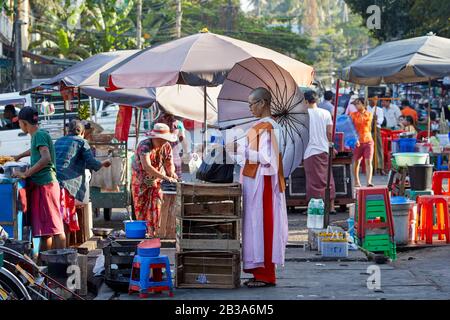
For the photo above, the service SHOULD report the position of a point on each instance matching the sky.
(245, 5)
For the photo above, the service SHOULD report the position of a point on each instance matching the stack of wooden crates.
(208, 235)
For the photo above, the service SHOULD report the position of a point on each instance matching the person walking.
(265, 224)
(316, 156)
(362, 120)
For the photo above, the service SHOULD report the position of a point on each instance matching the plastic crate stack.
(374, 221)
(208, 235)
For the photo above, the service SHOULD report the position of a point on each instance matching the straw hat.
(162, 131)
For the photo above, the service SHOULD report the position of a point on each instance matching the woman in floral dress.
(153, 163)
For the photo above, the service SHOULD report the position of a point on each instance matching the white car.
(12, 141)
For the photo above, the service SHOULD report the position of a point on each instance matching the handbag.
(216, 171)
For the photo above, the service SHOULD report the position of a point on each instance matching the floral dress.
(147, 193)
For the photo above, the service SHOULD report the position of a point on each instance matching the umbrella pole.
(429, 109)
(330, 160)
(205, 128)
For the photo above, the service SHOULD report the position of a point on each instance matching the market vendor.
(179, 146)
(362, 119)
(152, 164)
(73, 157)
(43, 186)
(265, 224)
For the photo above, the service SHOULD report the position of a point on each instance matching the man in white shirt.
(392, 114)
(378, 117)
(316, 154)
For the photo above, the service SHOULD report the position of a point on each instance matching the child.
(44, 189)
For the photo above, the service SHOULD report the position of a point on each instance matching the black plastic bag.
(216, 170)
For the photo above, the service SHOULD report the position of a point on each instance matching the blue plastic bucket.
(407, 144)
(135, 229)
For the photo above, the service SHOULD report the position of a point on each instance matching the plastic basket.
(334, 249)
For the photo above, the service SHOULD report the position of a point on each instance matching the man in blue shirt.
(73, 157)
(326, 103)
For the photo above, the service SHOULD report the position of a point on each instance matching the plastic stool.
(426, 227)
(146, 276)
(438, 179)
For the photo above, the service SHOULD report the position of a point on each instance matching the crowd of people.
(57, 181)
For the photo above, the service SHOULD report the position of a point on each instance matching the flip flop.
(370, 185)
(259, 284)
(248, 281)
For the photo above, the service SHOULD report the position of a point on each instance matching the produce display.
(5, 159)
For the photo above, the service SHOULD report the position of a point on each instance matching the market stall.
(413, 60)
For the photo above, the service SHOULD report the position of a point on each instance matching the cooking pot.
(11, 168)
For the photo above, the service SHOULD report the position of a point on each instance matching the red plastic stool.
(363, 225)
(426, 228)
(438, 179)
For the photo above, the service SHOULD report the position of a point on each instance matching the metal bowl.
(102, 232)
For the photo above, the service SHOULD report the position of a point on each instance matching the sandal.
(248, 281)
(370, 185)
(259, 284)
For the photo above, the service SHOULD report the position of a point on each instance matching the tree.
(77, 29)
(407, 18)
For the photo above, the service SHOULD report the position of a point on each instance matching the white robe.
(253, 222)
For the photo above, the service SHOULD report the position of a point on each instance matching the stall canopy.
(412, 60)
(85, 76)
(202, 59)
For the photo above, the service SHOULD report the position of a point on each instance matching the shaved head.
(262, 94)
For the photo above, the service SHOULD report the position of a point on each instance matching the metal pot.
(10, 168)
(102, 232)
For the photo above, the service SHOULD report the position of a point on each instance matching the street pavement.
(416, 274)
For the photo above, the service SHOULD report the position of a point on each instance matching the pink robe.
(252, 229)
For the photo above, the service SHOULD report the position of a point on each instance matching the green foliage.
(84, 112)
(407, 18)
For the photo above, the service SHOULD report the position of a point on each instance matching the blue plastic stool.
(146, 273)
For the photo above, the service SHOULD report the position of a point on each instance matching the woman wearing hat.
(153, 163)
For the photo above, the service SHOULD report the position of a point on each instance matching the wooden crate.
(221, 270)
(167, 221)
(212, 200)
(208, 234)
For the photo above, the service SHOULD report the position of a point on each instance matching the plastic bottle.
(345, 124)
(320, 211)
(311, 219)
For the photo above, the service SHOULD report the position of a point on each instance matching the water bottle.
(311, 220)
(320, 211)
(351, 227)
